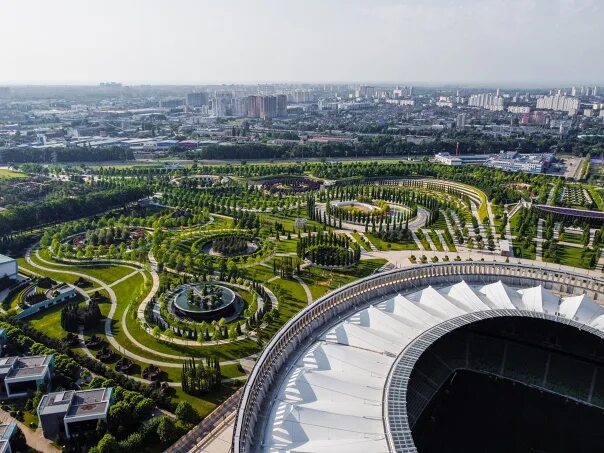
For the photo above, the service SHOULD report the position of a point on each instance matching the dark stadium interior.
(509, 385)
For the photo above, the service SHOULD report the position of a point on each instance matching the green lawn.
(384, 245)
(423, 240)
(357, 237)
(321, 281)
(287, 246)
(521, 252)
(48, 322)
(5, 173)
(571, 256)
(436, 241)
(573, 238)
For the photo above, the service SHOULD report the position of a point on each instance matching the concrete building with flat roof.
(6, 432)
(21, 376)
(73, 412)
(8, 266)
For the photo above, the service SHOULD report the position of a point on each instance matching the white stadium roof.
(331, 396)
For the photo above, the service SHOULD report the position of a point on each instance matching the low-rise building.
(6, 432)
(8, 266)
(24, 375)
(73, 412)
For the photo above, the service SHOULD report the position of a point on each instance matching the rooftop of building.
(6, 259)
(76, 403)
(19, 367)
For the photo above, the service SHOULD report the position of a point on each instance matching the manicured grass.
(521, 252)
(440, 224)
(397, 246)
(450, 243)
(5, 173)
(259, 272)
(571, 256)
(287, 246)
(48, 322)
(422, 238)
(108, 273)
(357, 237)
(321, 281)
(573, 238)
(436, 241)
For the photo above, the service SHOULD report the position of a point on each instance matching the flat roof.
(19, 367)
(76, 403)
(6, 259)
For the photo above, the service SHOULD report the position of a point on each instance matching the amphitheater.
(363, 368)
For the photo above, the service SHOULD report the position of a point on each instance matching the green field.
(5, 173)
(384, 245)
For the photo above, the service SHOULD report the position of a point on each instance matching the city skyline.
(491, 43)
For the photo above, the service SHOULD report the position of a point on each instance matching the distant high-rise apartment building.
(4, 92)
(197, 99)
(300, 96)
(364, 91)
(254, 106)
(281, 105)
(487, 101)
(240, 106)
(269, 107)
(221, 104)
(461, 120)
(559, 103)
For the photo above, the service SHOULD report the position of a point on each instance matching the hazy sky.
(531, 42)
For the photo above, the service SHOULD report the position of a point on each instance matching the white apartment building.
(487, 101)
(559, 103)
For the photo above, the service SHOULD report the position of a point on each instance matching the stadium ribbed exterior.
(337, 376)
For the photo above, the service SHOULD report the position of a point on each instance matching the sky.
(430, 42)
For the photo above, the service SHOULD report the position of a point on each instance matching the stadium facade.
(355, 370)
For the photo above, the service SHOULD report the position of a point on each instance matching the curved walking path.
(113, 298)
(108, 333)
(309, 298)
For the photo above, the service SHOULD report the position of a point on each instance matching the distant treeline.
(75, 154)
(23, 217)
(374, 147)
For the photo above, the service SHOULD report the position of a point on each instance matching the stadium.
(475, 357)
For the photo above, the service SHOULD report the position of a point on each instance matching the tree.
(166, 430)
(108, 444)
(186, 413)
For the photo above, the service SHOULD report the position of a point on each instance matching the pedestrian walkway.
(418, 242)
(539, 251)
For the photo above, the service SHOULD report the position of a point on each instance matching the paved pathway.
(34, 437)
(309, 298)
(539, 251)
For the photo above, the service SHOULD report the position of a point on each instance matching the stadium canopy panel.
(346, 385)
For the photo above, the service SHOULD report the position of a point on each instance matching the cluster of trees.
(247, 220)
(73, 316)
(199, 379)
(108, 236)
(398, 235)
(25, 217)
(75, 154)
(230, 245)
(384, 145)
(329, 249)
(24, 339)
(284, 266)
